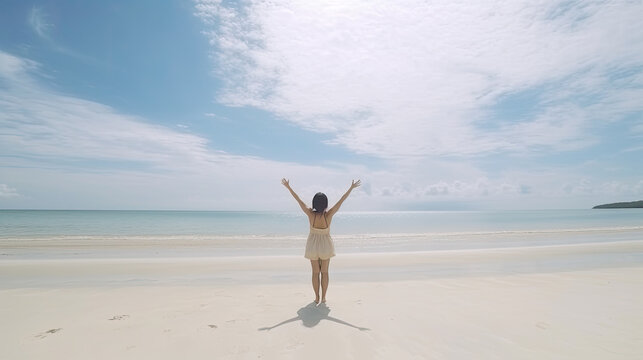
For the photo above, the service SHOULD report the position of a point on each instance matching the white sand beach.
(471, 304)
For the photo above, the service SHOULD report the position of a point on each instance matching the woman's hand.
(286, 183)
(335, 208)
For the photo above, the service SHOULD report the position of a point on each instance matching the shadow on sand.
(310, 315)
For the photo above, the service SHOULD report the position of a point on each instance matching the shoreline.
(96, 247)
(258, 269)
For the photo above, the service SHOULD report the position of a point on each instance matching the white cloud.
(42, 125)
(607, 189)
(412, 78)
(14, 69)
(38, 21)
(69, 152)
(73, 153)
(6, 191)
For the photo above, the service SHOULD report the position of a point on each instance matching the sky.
(207, 104)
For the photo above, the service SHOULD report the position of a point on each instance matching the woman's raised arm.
(303, 206)
(336, 207)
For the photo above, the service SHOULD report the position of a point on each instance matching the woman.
(319, 246)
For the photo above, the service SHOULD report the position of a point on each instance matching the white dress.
(319, 244)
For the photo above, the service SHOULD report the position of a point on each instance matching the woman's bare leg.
(324, 278)
(315, 264)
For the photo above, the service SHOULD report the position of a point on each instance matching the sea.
(62, 233)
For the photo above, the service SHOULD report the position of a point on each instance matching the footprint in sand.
(542, 325)
(47, 333)
(119, 317)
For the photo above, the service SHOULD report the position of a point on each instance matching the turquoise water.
(145, 234)
(45, 223)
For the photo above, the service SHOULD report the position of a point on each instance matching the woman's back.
(319, 221)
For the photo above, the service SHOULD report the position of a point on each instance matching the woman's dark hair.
(320, 202)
